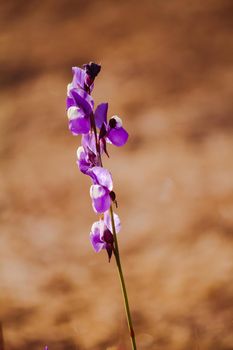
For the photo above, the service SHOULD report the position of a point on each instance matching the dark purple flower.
(92, 70)
(101, 234)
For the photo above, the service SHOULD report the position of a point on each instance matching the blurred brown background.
(167, 70)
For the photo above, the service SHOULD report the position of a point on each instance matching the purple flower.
(96, 131)
(84, 78)
(79, 102)
(79, 108)
(79, 122)
(101, 234)
(101, 190)
(84, 160)
(113, 131)
(87, 156)
(116, 134)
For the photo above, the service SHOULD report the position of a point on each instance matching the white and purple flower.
(101, 234)
(87, 156)
(113, 131)
(79, 102)
(101, 190)
(79, 108)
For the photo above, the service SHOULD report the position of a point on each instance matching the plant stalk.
(117, 254)
(123, 286)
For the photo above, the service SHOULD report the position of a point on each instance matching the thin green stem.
(122, 282)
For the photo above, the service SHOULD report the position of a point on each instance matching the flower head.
(101, 189)
(113, 130)
(84, 78)
(79, 102)
(101, 234)
(87, 155)
(116, 133)
(96, 132)
(79, 108)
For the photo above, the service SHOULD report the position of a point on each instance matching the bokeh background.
(167, 71)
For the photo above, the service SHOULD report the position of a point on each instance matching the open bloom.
(87, 156)
(113, 131)
(101, 190)
(116, 134)
(101, 233)
(79, 108)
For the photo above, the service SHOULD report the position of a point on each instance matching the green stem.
(122, 282)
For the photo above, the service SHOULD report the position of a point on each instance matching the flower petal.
(88, 142)
(118, 136)
(79, 126)
(108, 222)
(78, 77)
(82, 160)
(79, 123)
(83, 100)
(69, 102)
(100, 198)
(101, 114)
(102, 176)
(95, 236)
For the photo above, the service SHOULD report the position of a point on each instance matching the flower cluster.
(97, 131)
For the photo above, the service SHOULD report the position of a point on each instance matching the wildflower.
(84, 78)
(83, 120)
(79, 102)
(101, 189)
(113, 131)
(87, 156)
(101, 234)
(79, 108)
(96, 132)
(116, 134)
